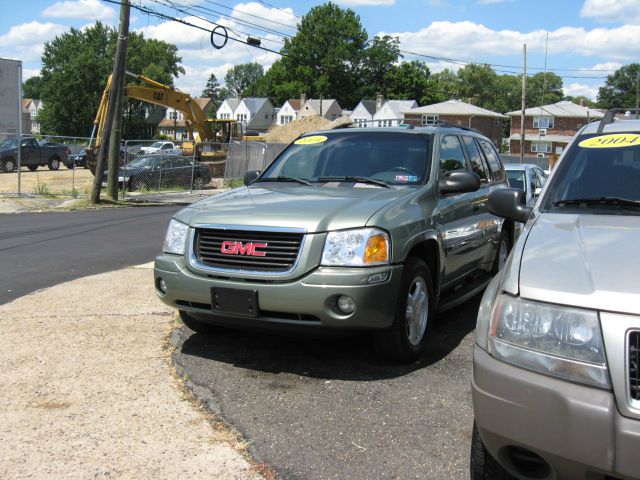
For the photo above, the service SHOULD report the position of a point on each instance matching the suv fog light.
(346, 304)
(162, 286)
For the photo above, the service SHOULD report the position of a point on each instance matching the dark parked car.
(76, 160)
(154, 172)
(32, 154)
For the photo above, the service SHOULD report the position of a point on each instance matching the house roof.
(455, 107)
(369, 105)
(397, 107)
(327, 103)
(295, 103)
(168, 122)
(254, 104)
(203, 102)
(26, 102)
(231, 102)
(560, 109)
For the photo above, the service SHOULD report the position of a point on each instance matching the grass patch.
(41, 188)
(234, 183)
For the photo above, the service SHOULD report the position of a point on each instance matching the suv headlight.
(559, 341)
(175, 238)
(363, 247)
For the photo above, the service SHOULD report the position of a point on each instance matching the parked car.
(556, 379)
(527, 177)
(353, 229)
(150, 172)
(32, 154)
(161, 147)
(75, 160)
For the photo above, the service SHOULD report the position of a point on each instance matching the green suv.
(352, 229)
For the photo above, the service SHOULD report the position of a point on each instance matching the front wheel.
(198, 183)
(405, 340)
(482, 465)
(504, 247)
(54, 164)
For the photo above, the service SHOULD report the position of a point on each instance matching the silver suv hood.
(592, 261)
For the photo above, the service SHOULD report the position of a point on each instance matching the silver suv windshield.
(599, 173)
(377, 158)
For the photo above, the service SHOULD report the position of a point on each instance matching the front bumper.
(576, 429)
(305, 303)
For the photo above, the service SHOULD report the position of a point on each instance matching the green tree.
(544, 88)
(619, 90)
(443, 86)
(32, 87)
(241, 80)
(410, 81)
(582, 100)
(379, 61)
(478, 85)
(75, 67)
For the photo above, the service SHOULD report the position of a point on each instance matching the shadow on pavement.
(333, 358)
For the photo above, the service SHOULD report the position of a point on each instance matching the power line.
(250, 14)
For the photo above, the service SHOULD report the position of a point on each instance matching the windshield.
(392, 157)
(143, 162)
(9, 143)
(516, 179)
(598, 167)
(157, 144)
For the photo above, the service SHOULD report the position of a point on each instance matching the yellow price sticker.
(313, 139)
(614, 140)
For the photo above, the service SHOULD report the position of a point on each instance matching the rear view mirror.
(509, 203)
(251, 176)
(459, 182)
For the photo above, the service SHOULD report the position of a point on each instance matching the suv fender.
(428, 247)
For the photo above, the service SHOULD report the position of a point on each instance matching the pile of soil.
(289, 132)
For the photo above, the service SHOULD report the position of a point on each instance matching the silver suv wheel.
(417, 311)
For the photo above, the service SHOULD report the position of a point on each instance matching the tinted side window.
(493, 159)
(451, 154)
(477, 163)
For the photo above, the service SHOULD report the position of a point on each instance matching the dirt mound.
(289, 132)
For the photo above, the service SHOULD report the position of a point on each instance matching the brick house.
(548, 129)
(459, 113)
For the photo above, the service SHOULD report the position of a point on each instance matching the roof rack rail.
(610, 115)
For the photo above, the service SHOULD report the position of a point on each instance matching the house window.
(241, 117)
(541, 147)
(542, 122)
(429, 119)
(284, 119)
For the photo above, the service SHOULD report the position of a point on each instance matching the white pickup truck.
(162, 147)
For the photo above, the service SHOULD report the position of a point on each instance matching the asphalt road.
(39, 250)
(327, 409)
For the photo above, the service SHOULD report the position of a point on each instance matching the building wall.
(287, 111)
(561, 125)
(491, 127)
(263, 118)
(10, 101)
(330, 110)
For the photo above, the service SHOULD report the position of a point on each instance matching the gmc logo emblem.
(238, 248)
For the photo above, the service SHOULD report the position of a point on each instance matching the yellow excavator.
(201, 129)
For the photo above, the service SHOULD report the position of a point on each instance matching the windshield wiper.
(623, 202)
(284, 179)
(352, 178)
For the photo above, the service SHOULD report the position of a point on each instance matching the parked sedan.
(156, 172)
(527, 177)
(78, 159)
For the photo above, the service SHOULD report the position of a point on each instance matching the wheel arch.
(428, 248)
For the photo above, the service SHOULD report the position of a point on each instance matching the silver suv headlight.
(175, 238)
(560, 341)
(362, 247)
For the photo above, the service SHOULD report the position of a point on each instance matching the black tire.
(198, 326)
(33, 168)
(198, 183)
(69, 166)
(504, 247)
(54, 163)
(9, 165)
(137, 184)
(482, 465)
(406, 339)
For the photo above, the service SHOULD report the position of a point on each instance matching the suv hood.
(313, 208)
(584, 260)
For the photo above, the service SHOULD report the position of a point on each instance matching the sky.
(584, 40)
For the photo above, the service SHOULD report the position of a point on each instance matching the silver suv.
(556, 385)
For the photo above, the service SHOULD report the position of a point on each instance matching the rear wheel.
(405, 340)
(198, 326)
(483, 466)
(137, 184)
(198, 183)
(9, 165)
(54, 163)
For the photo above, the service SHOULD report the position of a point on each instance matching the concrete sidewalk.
(89, 390)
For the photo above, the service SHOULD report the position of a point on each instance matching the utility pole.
(113, 118)
(524, 100)
(637, 93)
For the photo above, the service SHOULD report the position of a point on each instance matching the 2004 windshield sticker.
(312, 140)
(615, 140)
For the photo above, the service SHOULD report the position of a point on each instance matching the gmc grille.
(634, 372)
(281, 251)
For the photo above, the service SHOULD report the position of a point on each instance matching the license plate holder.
(234, 301)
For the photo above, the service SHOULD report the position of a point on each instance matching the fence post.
(193, 161)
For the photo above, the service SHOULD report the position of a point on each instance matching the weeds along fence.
(43, 165)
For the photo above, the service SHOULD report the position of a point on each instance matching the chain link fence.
(43, 165)
(542, 162)
(247, 156)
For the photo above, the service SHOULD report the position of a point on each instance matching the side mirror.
(536, 192)
(459, 182)
(509, 203)
(251, 176)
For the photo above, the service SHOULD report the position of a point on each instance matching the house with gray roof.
(227, 108)
(326, 107)
(549, 128)
(459, 113)
(391, 113)
(255, 114)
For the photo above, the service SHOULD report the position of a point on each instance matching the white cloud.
(29, 72)
(26, 41)
(606, 68)
(281, 19)
(367, 3)
(487, 2)
(85, 9)
(614, 11)
(580, 90)
(469, 40)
